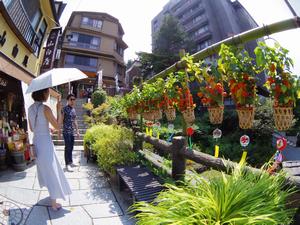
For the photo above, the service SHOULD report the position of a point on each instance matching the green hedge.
(112, 145)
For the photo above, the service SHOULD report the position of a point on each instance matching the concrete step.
(55, 136)
(62, 142)
(81, 131)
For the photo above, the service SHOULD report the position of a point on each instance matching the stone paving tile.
(8, 174)
(70, 216)
(122, 220)
(44, 200)
(86, 183)
(24, 196)
(18, 213)
(38, 216)
(85, 197)
(103, 210)
(36, 186)
(20, 182)
(74, 184)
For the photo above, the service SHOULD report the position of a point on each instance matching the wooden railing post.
(178, 159)
(137, 142)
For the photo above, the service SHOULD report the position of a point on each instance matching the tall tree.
(170, 38)
(168, 41)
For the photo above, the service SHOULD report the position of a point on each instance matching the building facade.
(24, 28)
(207, 21)
(92, 42)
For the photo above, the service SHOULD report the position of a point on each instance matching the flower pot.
(189, 115)
(133, 115)
(170, 114)
(148, 115)
(215, 114)
(246, 117)
(3, 164)
(157, 114)
(283, 117)
(18, 160)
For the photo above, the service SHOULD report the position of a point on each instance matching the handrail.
(244, 37)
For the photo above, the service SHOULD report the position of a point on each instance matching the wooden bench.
(142, 183)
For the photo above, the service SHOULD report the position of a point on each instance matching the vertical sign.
(50, 49)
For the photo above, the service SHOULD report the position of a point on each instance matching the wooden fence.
(180, 153)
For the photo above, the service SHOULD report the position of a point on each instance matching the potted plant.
(152, 96)
(282, 84)
(131, 101)
(212, 92)
(170, 97)
(240, 72)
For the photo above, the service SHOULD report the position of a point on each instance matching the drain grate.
(10, 213)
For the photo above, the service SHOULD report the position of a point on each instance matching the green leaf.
(283, 88)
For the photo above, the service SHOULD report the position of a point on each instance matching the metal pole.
(244, 37)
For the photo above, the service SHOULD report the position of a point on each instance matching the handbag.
(32, 151)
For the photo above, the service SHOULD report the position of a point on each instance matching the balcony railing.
(83, 45)
(20, 20)
(81, 67)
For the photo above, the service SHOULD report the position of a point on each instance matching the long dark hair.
(39, 95)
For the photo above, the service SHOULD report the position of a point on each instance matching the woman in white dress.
(49, 171)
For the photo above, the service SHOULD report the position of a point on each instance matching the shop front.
(15, 136)
(13, 124)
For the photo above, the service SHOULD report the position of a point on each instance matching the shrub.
(98, 97)
(239, 199)
(112, 145)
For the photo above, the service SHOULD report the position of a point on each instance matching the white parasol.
(55, 77)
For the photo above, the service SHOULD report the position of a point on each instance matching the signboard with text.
(50, 49)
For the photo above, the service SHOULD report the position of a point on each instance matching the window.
(197, 18)
(81, 60)
(91, 22)
(85, 41)
(201, 30)
(203, 45)
(39, 38)
(119, 49)
(120, 70)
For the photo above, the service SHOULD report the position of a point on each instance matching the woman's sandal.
(57, 208)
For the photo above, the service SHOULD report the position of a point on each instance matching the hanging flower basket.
(246, 117)
(283, 117)
(148, 115)
(170, 114)
(189, 115)
(157, 114)
(133, 115)
(216, 114)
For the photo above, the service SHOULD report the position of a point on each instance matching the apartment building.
(207, 21)
(93, 42)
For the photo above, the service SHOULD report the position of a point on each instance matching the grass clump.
(239, 199)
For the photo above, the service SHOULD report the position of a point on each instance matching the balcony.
(186, 7)
(202, 36)
(81, 67)
(83, 45)
(16, 17)
(187, 17)
(193, 26)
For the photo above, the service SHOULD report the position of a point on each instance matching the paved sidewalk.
(93, 201)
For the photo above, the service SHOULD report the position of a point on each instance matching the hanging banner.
(50, 49)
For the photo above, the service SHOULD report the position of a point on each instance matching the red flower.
(190, 131)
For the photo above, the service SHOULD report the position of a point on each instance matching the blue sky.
(136, 15)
